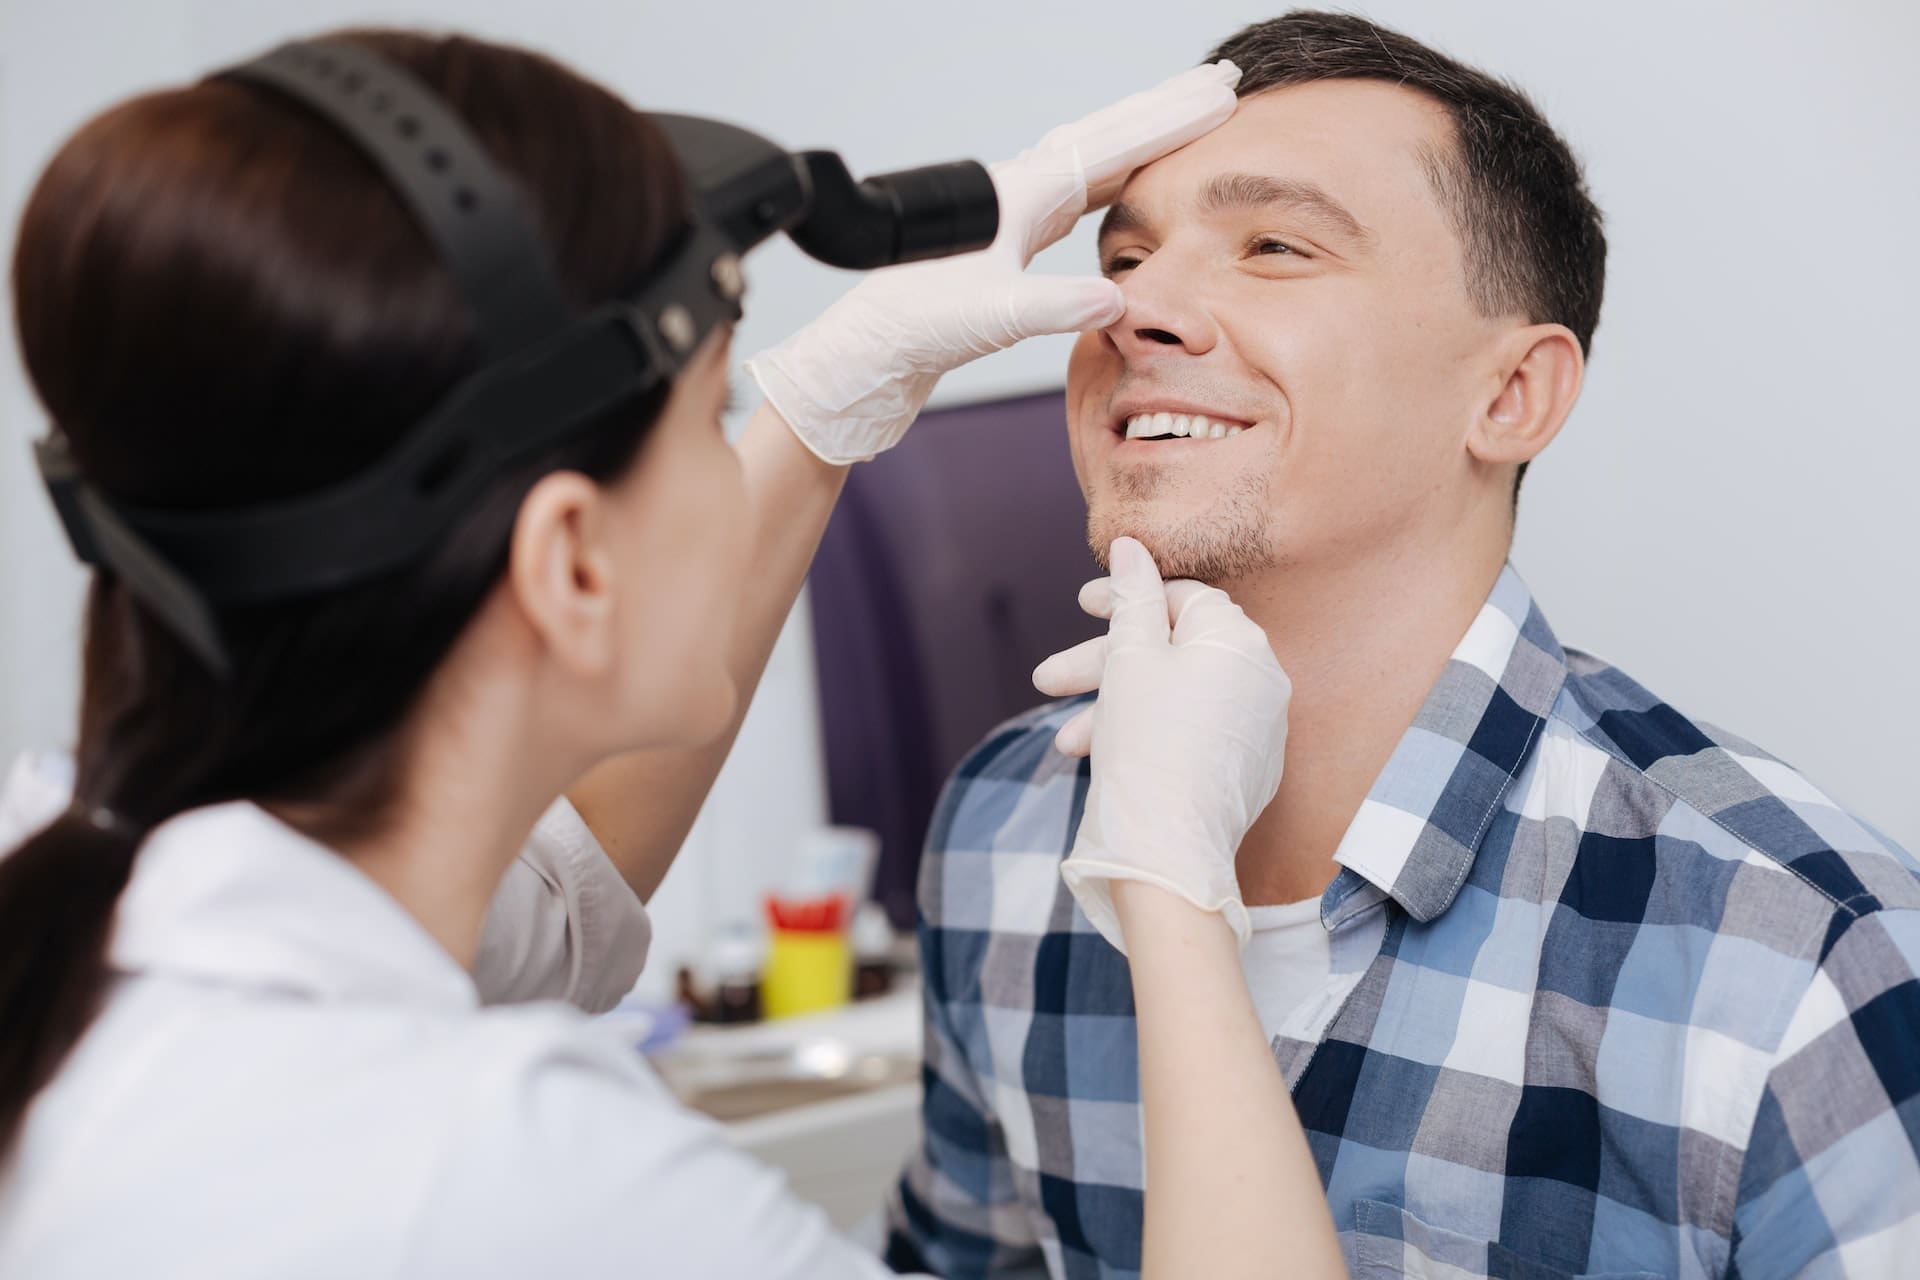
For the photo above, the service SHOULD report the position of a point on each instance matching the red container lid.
(815, 915)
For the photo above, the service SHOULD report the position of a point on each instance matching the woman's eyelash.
(1119, 262)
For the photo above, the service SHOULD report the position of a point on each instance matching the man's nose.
(1164, 318)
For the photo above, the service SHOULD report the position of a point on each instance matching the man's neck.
(1363, 644)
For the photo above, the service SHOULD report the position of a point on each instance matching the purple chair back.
(949, 570)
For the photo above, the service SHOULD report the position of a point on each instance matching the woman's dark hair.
(220, 301)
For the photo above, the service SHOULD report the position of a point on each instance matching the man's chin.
(1206, 551)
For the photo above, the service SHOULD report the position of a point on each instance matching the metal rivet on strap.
(676, 326)
(727, 277)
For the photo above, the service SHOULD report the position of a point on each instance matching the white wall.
(1729, 515)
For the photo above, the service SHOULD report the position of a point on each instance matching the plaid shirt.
(1622, 996)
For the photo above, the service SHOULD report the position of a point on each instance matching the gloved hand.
(852, 382)
(1075, 671)
(1188, 738)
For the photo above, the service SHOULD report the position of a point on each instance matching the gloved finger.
(1096, 598)
(1181, 595)
(1206, 611)
(1033, 305)
(1073, 671)
(1046, 189)
(1212, 618)
(1076, 735)
(1140, 598)
(1114, 141)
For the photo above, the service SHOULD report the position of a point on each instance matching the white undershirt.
(1288, 961)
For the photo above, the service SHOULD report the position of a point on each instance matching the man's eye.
(1269, 246)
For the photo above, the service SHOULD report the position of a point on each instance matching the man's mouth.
(1178, 426)
(1140, 422)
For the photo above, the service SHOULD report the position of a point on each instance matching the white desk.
(842, 1152)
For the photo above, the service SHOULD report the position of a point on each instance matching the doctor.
(403, 528)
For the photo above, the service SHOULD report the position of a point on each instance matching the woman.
(242, 966)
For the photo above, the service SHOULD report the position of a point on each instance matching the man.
(1563, 982)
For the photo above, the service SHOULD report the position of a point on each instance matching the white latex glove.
(1075, 671)
(852, 382)
(1188, 738)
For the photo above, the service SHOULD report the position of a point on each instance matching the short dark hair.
(1530, 234)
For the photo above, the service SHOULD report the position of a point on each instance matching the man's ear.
(560, 571)
(1539, 370)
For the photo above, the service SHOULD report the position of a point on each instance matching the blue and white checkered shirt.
(1623, 996)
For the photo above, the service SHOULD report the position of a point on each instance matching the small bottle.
(733, 966)
(689, 994)
(872, 952)
(809, 964)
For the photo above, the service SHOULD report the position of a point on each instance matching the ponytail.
(57, 897)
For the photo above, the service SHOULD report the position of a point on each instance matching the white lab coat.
(290, 1078)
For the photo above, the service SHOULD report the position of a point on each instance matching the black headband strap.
(544, 372)
(101, 537)
(475, 219)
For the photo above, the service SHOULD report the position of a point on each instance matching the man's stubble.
(1223, 539)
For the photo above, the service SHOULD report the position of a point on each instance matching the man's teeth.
(1146, 426)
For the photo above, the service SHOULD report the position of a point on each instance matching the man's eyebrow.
(1122, 218)
(1230, 191)
(1227, 192)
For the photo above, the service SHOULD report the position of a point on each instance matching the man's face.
(1291, 274)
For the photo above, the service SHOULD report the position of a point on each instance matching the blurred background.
(1729, 516)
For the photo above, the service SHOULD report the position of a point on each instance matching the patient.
(1564, 982)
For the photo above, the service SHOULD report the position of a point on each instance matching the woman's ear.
(1540, 369)
(560, 571)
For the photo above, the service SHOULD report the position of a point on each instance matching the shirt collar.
(1420, 827)
(229, 894)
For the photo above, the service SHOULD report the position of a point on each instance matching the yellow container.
(807, 971)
